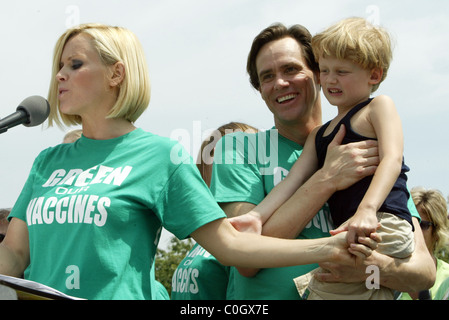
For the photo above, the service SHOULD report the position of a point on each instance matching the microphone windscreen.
(37, 109)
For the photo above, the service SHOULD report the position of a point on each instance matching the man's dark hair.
(279, 31)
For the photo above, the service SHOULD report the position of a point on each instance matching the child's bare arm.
(387, 125)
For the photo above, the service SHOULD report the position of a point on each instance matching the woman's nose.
(60, 76)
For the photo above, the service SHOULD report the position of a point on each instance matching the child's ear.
(376, 76)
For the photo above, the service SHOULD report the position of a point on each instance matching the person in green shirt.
(283, 70)
(89, 217)
(432, 208)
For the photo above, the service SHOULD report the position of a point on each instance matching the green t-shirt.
(200, 276)
(246, 169)
(443, 291)
(95, 208)
(441, 275)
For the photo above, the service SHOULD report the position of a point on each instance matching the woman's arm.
(15, 250)
(235, 248)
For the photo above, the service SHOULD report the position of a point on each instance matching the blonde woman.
(432, 208)
(88, 219)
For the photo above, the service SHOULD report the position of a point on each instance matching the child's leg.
(310, 288)
(397, 236)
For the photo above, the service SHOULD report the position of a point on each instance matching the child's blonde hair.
(357, 40)
(114, 44)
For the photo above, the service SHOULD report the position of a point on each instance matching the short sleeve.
(185, 203)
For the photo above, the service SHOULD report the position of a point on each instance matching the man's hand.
(347, 164)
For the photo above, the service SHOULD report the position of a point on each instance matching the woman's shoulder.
(154, 138)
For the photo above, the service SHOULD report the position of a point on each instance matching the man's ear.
(376, 76)
(118, 74)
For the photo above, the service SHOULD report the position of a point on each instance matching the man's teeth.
(287, 97)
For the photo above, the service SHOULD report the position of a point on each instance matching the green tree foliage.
(168, 260)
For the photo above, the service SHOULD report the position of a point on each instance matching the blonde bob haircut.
(432, 203)
(357, 40)
(114, 44)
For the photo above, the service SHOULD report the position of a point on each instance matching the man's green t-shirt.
(95, 209)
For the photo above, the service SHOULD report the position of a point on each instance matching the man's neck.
(296, 132)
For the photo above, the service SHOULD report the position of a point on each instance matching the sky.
(196, 51)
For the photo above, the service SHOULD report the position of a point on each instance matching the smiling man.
(289, 87)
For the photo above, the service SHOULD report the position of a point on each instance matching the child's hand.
(356, 253)
(343, 227)
(361, 224)
(248, 222)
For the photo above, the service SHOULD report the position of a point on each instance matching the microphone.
(31, 112)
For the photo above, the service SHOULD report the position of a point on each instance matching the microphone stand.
(14, 120)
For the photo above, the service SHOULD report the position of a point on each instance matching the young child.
(354, 58)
